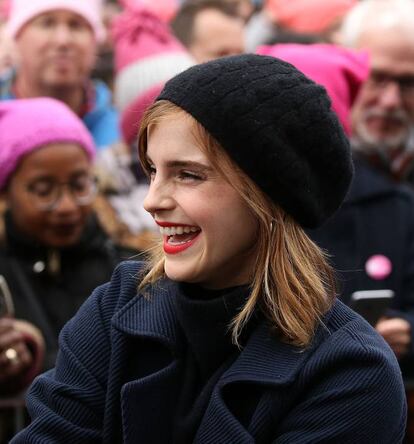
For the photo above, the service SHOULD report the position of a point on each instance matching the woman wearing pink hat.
(53, 252)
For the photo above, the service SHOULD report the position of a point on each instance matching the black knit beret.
(276, 124)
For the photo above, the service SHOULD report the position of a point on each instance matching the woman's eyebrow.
(183, 164)
(188, 164)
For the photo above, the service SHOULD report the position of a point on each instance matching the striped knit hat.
(146, 56)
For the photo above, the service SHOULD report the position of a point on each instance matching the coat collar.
(263, 359)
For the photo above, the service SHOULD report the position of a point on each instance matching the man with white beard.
(383, 115)
(371, 238)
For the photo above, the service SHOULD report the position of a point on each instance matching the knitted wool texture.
(146, 56)
(276, 124)
(27, 125)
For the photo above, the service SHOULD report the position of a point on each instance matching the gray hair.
(376, 15)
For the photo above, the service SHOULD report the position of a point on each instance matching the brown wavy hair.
(292, 282)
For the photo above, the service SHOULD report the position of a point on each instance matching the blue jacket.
(116, 379)
(102, 120)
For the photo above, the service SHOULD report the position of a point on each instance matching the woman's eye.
(42, 189)
(80, 185)
(189, 175)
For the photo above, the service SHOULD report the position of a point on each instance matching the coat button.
(39, 266)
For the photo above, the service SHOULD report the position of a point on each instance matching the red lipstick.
(178, 248)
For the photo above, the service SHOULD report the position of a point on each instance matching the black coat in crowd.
(377, 218)
(49, 285)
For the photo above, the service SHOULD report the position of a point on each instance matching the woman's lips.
(65, 229)
(179, 242)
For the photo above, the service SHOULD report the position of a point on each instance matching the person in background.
(56, 43)
(382, 121)
(295, 20)
(383, 114)
(209, 29)
(146, 56)
(231, 332)
(371, 238)
(104, 64)
(21, 354)
(53, 252)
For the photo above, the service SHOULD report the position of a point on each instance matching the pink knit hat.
(308, 16)
(22, 11)
(30, 124)
(340, 70)
(146, 56)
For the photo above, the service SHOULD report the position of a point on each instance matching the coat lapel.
(148, 394)
(270, 365)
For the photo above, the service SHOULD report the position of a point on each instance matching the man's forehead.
(391, 50)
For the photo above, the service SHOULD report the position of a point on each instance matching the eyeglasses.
(47, 193)
(380, 80)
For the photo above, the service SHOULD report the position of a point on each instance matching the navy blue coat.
(116, 379)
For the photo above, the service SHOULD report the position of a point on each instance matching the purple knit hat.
(29, 124)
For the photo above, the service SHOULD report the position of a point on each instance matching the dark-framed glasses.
(46, 193)
(380, 80)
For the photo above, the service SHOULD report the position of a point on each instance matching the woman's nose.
(158, 198)
(66, 203)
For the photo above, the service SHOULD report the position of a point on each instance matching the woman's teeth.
(172, 231)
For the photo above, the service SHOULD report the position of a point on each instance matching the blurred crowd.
(75, 79)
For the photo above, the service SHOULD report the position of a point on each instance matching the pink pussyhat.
(164, 9)
(29, 124)
(340, 70)
(22, 11)
(146, 56)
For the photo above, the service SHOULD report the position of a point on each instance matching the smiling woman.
(230, 332)
(53, 251)
(183, 193)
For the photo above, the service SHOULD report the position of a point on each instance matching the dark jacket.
(377, 217)
(49, 285)
(117, 379)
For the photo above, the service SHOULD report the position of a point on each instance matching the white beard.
(366, 141)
